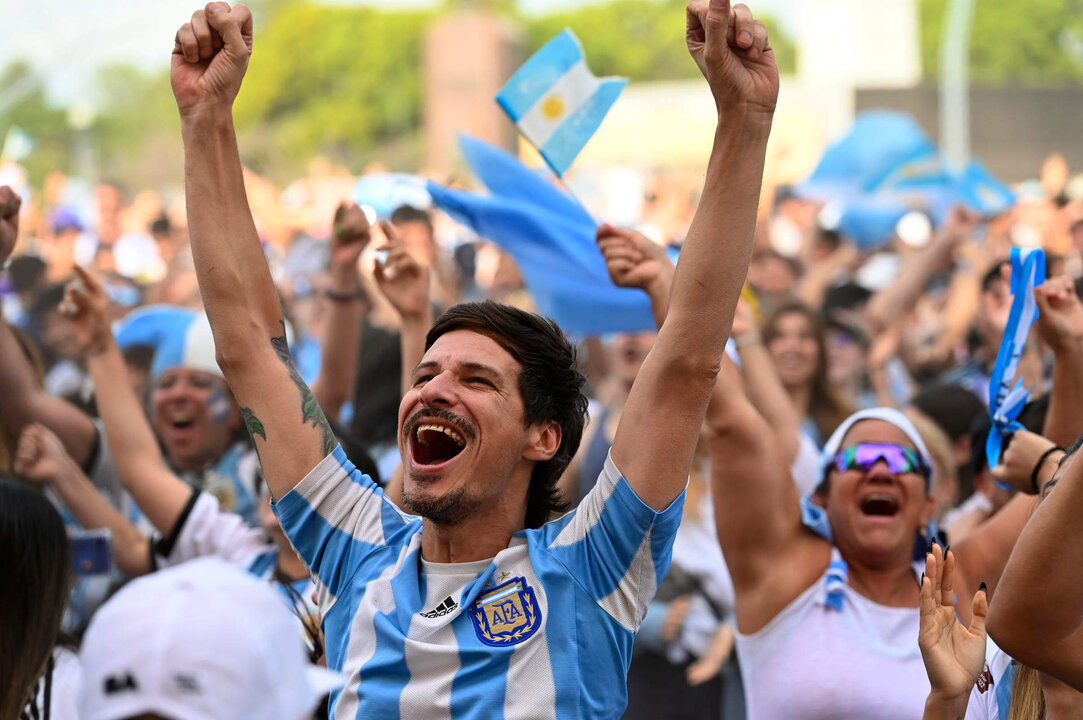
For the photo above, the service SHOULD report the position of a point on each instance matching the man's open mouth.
(880, 505)
(434, 444)
(181, 420)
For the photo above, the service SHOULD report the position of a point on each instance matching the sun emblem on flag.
(506, 615)
(553, 107)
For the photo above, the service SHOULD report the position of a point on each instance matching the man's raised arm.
(657, 435)
(291, 434)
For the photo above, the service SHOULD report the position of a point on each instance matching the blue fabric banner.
(551, 238)
(1005, 399)
(885, 167)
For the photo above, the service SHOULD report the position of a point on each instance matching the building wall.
(468, 58)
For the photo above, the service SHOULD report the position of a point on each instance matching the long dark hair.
(827, 408)
(34, 587)
(550, 383)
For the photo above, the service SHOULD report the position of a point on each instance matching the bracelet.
(1038, 466)
(747, 339)
(344, 297)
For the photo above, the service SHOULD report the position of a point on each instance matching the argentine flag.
(556, 101)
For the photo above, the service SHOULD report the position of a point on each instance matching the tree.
(330, 80)
(23, 104)
(639, 39)
(1036, 43)
(137, 133)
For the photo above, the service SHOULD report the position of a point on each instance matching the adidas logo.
(442, 609)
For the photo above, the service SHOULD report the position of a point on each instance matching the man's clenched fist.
(732, 51)
(210, 56)
(9, 221)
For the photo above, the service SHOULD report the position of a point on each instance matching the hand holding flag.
(1005, 400)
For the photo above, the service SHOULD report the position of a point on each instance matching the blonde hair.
(937, 442)
(1028, 702)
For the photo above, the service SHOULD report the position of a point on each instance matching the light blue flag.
(506, 176)
(886, 166)
(386, 192)
(1006, 401)
(552, 240)
(556, 102)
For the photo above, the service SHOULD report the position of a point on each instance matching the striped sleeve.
(335, 517)
(204, 529)
(616, 547)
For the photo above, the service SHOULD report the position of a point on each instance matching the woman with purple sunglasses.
(828, 586)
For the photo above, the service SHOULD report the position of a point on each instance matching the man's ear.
(543, 442)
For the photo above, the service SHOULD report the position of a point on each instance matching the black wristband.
(1038, 466)
(335, 296)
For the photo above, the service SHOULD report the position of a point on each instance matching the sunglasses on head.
(864, 455)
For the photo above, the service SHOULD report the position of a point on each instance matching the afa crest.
(506, 615)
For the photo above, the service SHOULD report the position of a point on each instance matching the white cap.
(200, 641)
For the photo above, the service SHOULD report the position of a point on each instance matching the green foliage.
(23, 104)
(639, 39)
(330, 80)
(343, 81)
(137, 134)
(1036, 43)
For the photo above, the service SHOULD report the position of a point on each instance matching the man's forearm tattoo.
(252, 424)
(310, 409)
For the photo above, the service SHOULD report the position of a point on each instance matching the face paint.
(218, 407)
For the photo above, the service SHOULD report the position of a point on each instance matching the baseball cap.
(199, 641)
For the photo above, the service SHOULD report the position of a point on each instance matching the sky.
(68, 40)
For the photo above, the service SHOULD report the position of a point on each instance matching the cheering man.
(480, 607)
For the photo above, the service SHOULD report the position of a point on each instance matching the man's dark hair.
(1031, 417)
(847, 296)
(409, 213)
(993, 276)
(951, 406)
(161, 226)
(830, 238)
(550, 384)
(26, 272)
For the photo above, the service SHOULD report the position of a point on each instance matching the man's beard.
(448, 509)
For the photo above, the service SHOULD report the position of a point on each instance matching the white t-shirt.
(991, 697)
(812, 662)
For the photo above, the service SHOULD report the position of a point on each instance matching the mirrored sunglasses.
(864, 455)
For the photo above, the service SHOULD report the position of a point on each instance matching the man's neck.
(465, 542)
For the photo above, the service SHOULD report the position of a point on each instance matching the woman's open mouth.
(880, 505)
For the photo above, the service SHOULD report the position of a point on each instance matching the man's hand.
(40, 457)
(633, 261)
(732, 51)
(210, 56)
(1060, 321)
(961, 224)
(1017, 463)
(9, 221)
(87, 307)
(350, 235)
(402, 280)
(954, 655)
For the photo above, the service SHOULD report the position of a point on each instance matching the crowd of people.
(356, 477)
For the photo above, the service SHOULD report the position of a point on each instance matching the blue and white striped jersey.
(542, 630)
